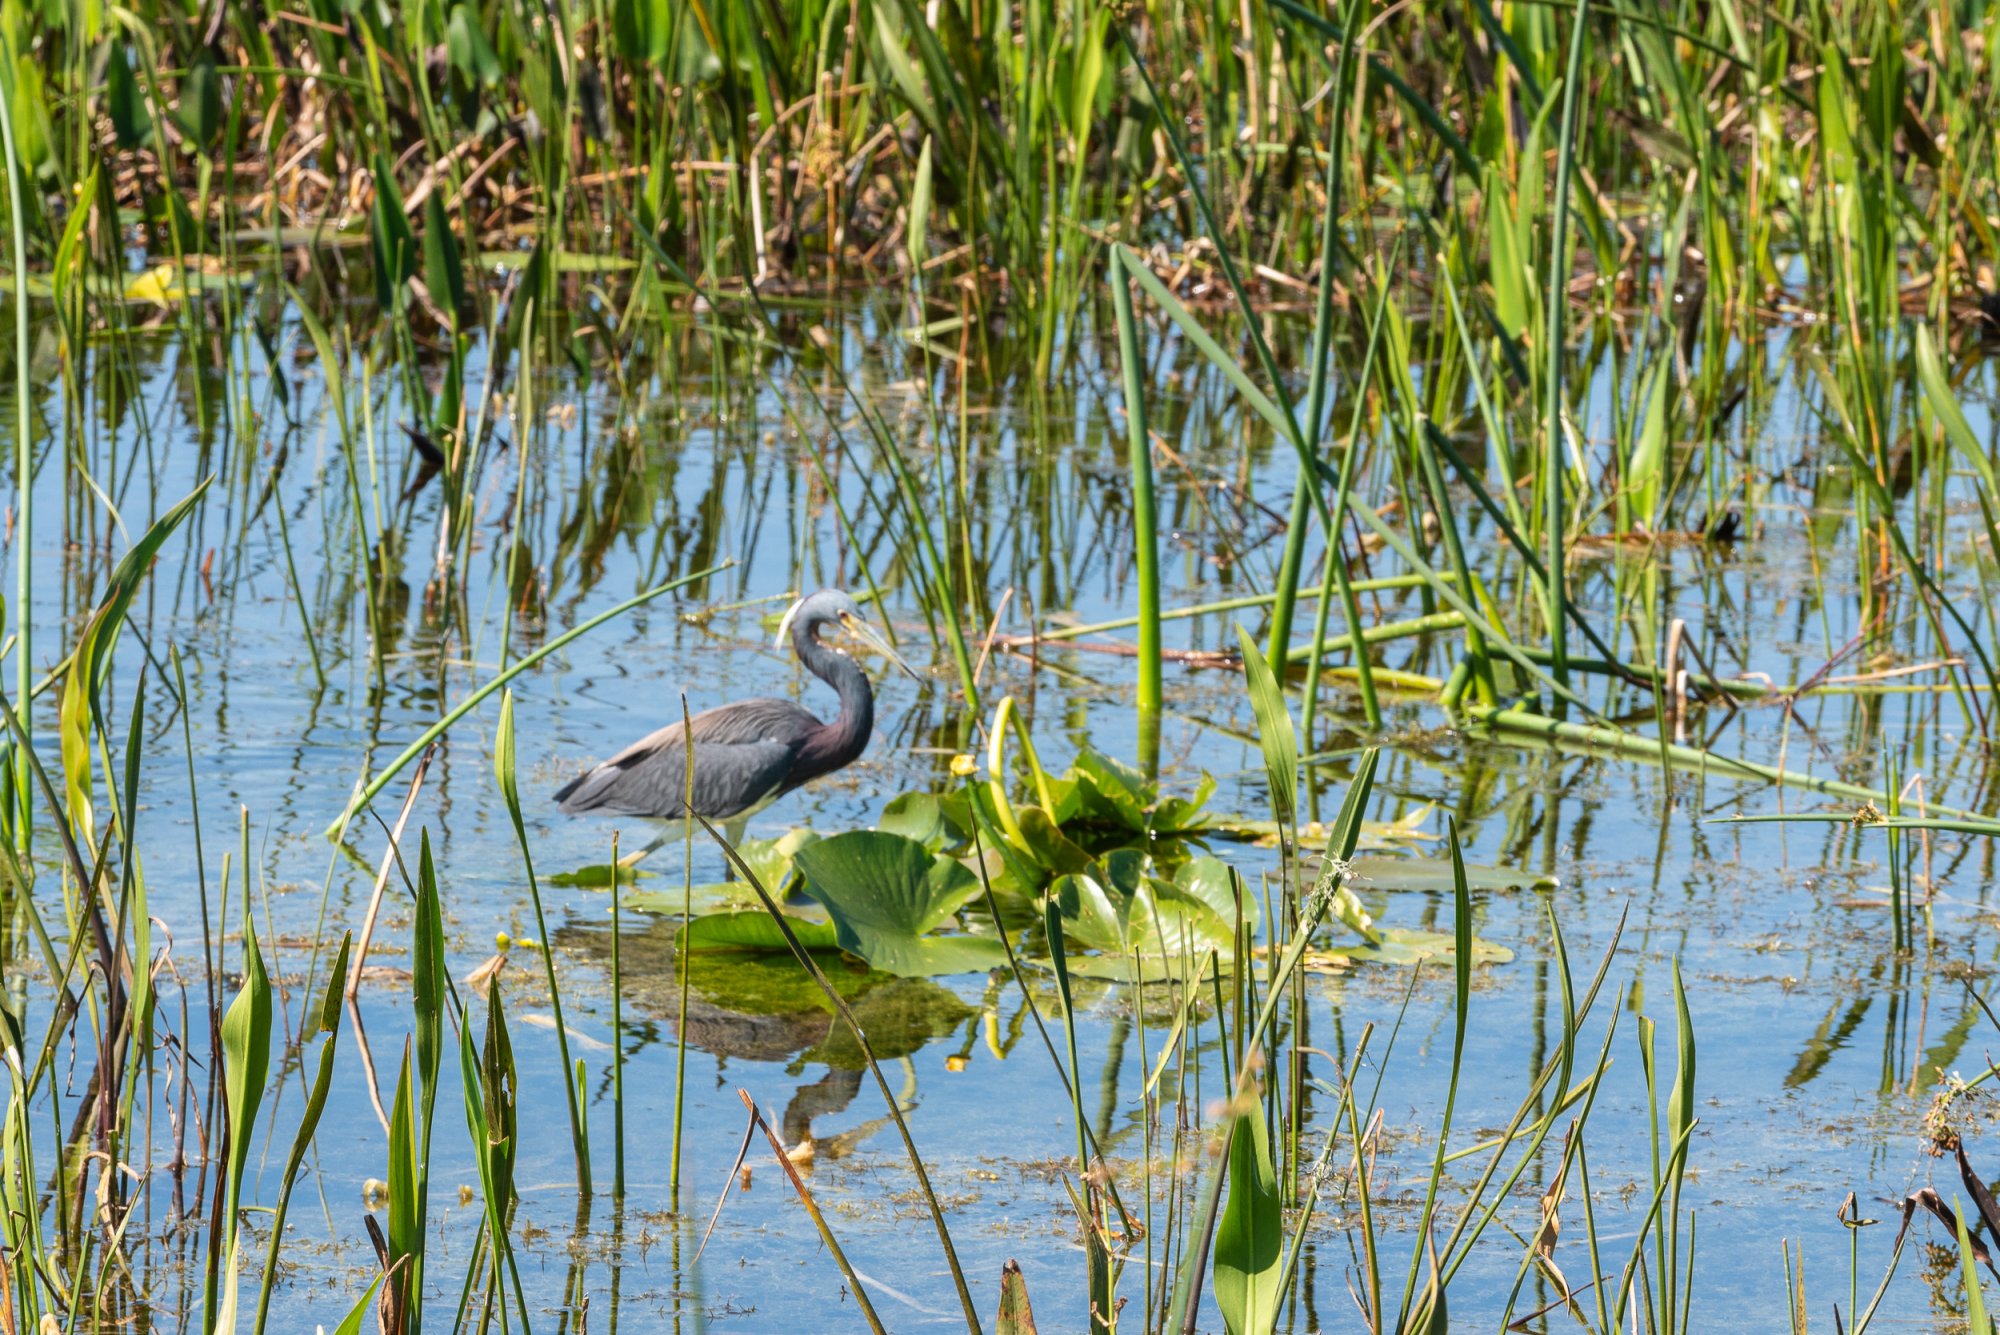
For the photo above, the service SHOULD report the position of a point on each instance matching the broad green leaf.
(917, 816)
(500, 1087)
(246, 1058)
(1274, 727)
(770, 861)
(359, 1316)
(774, 860)
(123, 100)
(1680, 1105)
(31, 120)
(1208, 881)
(1944, 406)
(1645, 472)
(889, 55)
(1511, 279)
(1249, 1239)
(703, 897)
(1093, 916)
(326, 1021)
(753, 929)
(1111, 791)
(1403, 945)
(528, 297)
(1016, 1316)
(444, 270)
(887, 894)
(429, 987)
(90, 662)
(1375, 834)
(1084, 81)
(1047, 843)
(599, 875)
(352, 1323)
(467, 48)
(1835, 121)
(1183, 815)
(406, 1241)
(918, 238)
(1975, 1298)
(1346, 908)
(389, 235)
(1141, 935)
(200, 113)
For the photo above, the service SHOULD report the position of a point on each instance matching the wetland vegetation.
(1449, 550)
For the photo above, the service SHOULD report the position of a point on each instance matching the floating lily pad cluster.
(1139, 895)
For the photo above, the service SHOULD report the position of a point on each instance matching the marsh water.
(1820, 1047)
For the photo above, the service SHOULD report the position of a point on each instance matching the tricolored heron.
(749, 754)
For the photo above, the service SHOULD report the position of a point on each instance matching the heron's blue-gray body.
(746, 755)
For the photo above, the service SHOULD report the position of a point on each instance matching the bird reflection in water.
(765, 1008)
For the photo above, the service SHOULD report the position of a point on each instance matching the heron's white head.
(836, 607)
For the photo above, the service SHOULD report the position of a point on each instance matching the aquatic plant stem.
(617, 1038)
(1145, 530)
(24, 490)
(812, 1210)
(1293, 560)
(503, 764)
(1555, 515)
(685, 967)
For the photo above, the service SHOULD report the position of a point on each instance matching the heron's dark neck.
(835, 744)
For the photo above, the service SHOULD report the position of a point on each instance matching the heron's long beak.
(865, 633)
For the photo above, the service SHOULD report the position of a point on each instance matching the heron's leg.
(633, 859)
(733, 832)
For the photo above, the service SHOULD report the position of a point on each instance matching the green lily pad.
(887, 895)
(1173, 946)
(770, 860)
(1113, 791)
(1399, 873)
(1047, 843)
(1185, 815)
(754, 929)
(701, 897)
(1142, 935)
(1093, 916)
(1403, 945)
(918, 816)
(1206, 881)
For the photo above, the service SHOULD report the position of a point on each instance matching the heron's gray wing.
(742, 754)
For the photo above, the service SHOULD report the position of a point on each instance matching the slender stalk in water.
(1553, 465)
(617, 1039)
(684, 961)
(24, 492)
(503, 764)
(1145, 531)
(1317, 393)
